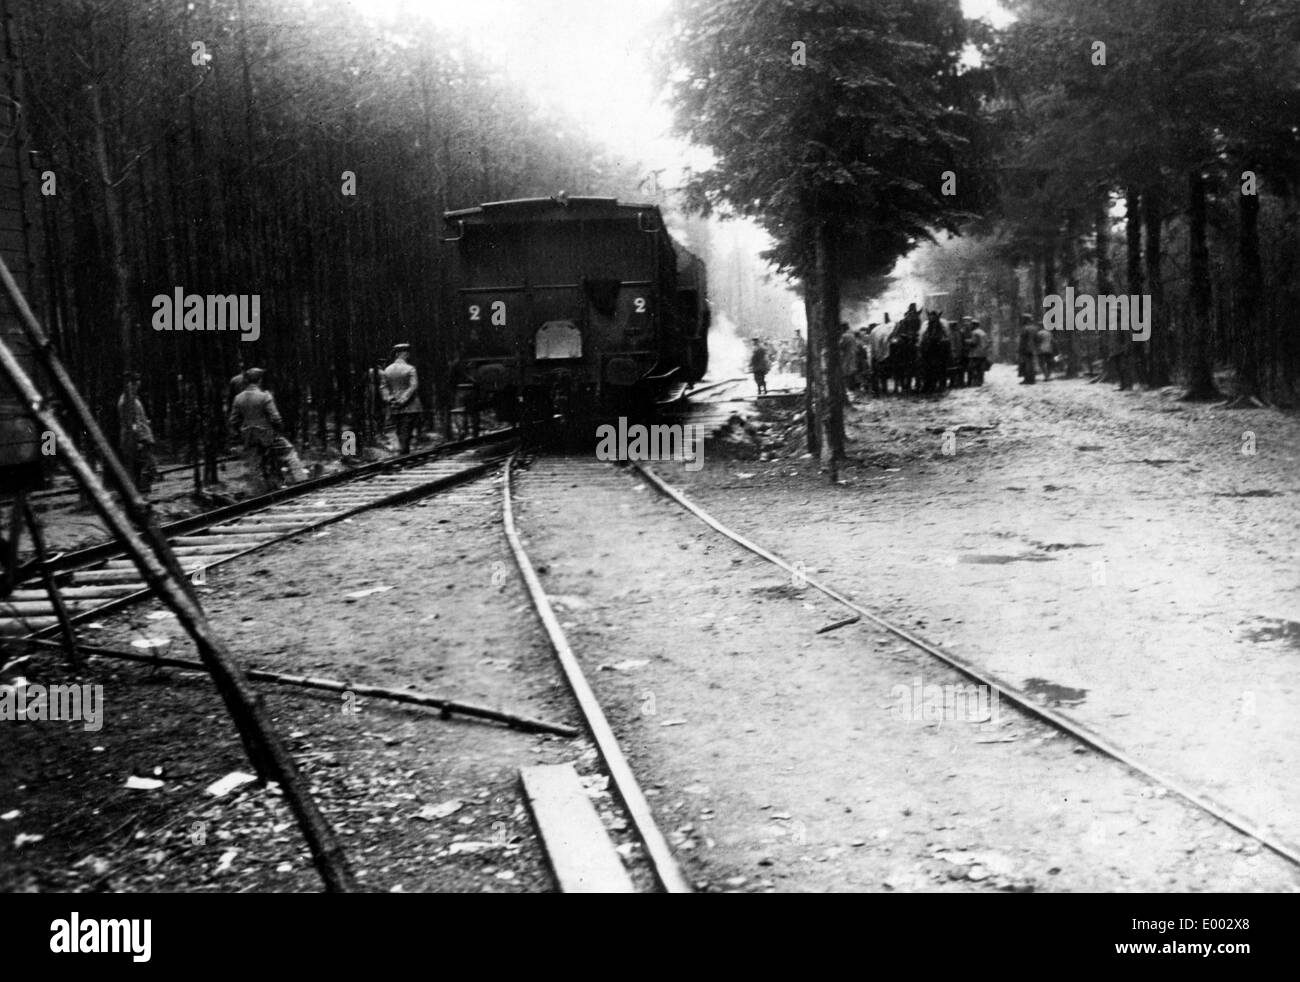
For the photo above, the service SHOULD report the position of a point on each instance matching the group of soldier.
(926, 358)
(929, 358)
(1035, 353)
(255, 425)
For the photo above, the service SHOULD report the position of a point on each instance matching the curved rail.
(662, 861)
(1005, 690)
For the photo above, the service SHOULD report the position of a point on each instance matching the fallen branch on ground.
(447, 706)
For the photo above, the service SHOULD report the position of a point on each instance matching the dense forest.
(1147, 147)
(284, 149)
(276, 148)
(1153, 147)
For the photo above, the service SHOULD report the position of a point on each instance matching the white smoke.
(728, 352)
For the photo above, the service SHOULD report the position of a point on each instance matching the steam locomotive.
(579, 307)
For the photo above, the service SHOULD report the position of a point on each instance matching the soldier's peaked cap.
(402, 347)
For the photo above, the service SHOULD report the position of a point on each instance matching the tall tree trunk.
(831, 390)
(1069, 340)
(1200, 369)
(1105, 278)
(121, 274)
(811, 318)
(1250, 291)
(1157, 344)
(1129, 360)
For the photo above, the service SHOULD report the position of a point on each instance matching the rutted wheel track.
(100, 580)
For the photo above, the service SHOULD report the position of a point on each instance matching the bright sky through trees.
(586, 57)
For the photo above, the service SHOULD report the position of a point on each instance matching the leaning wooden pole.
(159, 569)
(115, 475)
(51, 587)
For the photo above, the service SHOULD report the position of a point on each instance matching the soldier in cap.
(255, 423)
(400, 388)
(758, 364)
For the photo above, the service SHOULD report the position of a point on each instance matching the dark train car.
(21, 460)
(572, 306)
(693, 308)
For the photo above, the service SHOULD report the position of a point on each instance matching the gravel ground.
(784, 759)
(420, 803)
(1114, 555)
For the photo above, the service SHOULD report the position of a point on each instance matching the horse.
(902, 359)
(936, 350)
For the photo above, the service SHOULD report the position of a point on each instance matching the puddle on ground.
(1275, 629)
(997, 559)
(1053, 694)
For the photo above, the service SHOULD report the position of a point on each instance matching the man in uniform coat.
(401, 391)
(255, 423)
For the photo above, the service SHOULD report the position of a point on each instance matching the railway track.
(660, 857)
(722, 385)
(547, 488)
(225, 535)
(1075, 730)
(100, 580)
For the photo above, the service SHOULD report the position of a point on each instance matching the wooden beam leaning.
(158, 566)
(51, 587)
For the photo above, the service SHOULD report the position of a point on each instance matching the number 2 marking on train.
(640, 305)
(474, 312)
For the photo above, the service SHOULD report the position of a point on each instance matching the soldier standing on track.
(255, 423)
(400, 389)
(136, 435)
(758, 364)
